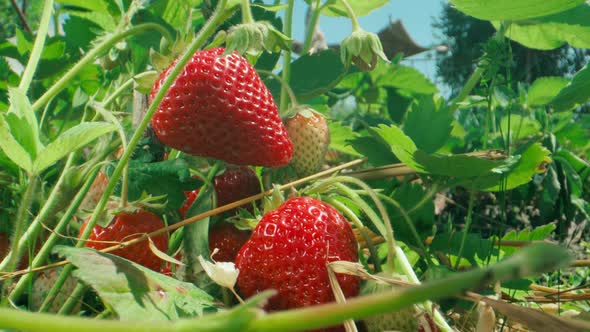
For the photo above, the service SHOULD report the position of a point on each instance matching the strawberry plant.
(190, 165)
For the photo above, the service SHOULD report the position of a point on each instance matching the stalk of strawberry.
(288, 251)
(219, 107)
(233, 184)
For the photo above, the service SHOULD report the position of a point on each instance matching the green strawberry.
(310, 135)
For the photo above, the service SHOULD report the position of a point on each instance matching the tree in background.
(461, 32)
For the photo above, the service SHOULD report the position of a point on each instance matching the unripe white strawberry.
(43, 284)
(310, 136)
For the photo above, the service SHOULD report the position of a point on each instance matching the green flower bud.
(362, 48)
(254, 38)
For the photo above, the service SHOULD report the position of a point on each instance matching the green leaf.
(134, 292)
(428, 124)
(313, 75)
(397, 104)
(544, 89)
(577, 92)
(450, 243)
(410, 196)
(359, 7)
(460, 166)
(23, 123)
(520, 127)
(95, 5)
(513, 9)
(533, 160)
(374, 149)
(339, 137)
(538, 234)
(104, 20)
(406, 79)
(553, 31)
(169, 177)
(12, 148)
(70, 141)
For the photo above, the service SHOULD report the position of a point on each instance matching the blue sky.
(416, 15)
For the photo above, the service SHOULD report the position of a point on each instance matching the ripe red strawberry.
(126, 226)
(232, 185)
(219, 107)
(289, 249)
(228, 239)
(310, 135)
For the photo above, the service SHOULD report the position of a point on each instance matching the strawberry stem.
(355, 23)
(284, 84)
(19, 225)
(44, 252)
(29, 71)
(362, 229)
(246, 12)
(91, 57)
(284, 103)
(311, 25)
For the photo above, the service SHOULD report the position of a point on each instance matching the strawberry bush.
(188, 165)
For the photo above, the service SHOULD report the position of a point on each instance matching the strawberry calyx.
(363, 49)
(254, 38)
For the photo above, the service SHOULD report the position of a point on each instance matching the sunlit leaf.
(136, 292)
(519, 127)
(577, 92)
(360, 7)
(428, 124)
(553, 31)
(544, 89)
(70, 141)
(11, 147)
(513, 9)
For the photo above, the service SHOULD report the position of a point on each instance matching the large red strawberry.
(126, 226)
(310, 135)
(232, 185)
(289, 249)
(219, 107)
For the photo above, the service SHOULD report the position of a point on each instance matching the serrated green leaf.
(513, 9)
(520, 127)
(544, 89)
(460, 166)
(577, 92)
(11, 147)
(169, 178)
(475, 245)
(428, 124)
(553, 31)
(94, 5)
(533, 160)
(339, 136)
(374, 149)
(104, 20)
(70, 141)
(359, 7)
(312, 75)
(134, 292)
(537, 234)
(23, 122)
(406, 79)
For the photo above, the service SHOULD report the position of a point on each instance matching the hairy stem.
(355, 22)
(19, 226)
(45, 250)
(315, 15)
(27, 77)
(246, 12)
(466, 230)
(28, 236)
(284, 103)
(91, 57)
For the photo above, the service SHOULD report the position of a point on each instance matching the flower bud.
(362, 48)
(254, 38)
